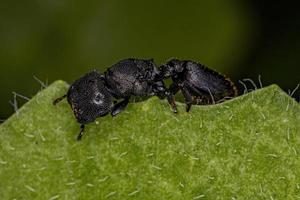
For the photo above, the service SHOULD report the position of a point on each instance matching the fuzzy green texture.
(245, 148)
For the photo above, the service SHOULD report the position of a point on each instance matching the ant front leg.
(119, 107)
(81, 132)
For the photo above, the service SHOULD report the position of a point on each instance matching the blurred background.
(63, 39)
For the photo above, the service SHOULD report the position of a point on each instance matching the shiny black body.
(135, 77)
(198, 84)
(95, 95)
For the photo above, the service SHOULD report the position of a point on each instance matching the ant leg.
(188, 98)
(81, 132)
(174, 88)
(119, 107)
(162, 92)
(202, 97)
(56, 101)
(171, 100)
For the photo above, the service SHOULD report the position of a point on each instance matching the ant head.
(172, 68)
(89, 98)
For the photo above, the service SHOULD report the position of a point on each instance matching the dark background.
(62, 39)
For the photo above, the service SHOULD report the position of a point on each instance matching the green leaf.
(245, 148)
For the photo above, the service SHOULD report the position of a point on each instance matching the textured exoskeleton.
(198, 84)
(95, 95)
